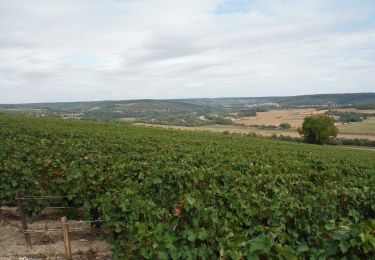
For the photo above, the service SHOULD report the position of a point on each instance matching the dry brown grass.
(294, 117)
(127, 119)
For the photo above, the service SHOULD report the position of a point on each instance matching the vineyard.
(169, 194)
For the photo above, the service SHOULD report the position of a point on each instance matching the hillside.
(335, 100)
(104, 106)
(241, 197)
(103, 110)
(319, 100)
(329, 100)
(187, 112)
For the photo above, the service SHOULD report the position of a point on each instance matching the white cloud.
(96, 50)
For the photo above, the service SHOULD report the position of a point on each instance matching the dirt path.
(357, 147)
(85, 244)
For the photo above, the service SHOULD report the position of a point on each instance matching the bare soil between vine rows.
(85, 244)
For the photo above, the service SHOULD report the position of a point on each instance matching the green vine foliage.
(243, 197)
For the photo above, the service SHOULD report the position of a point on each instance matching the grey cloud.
(172, 49)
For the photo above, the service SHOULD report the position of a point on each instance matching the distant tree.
(350, 117)
(248, 113)
(285, 126)
(318, 129)
(222, 121)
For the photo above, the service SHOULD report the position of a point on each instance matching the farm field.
(355, 110)
(365, 127)
(294, 117)
(170, 194)
(127, 119)
(361, 130)
(264, 132)
(230, 128)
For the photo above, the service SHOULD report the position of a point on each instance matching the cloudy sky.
(72, 50)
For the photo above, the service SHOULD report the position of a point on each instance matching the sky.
(82, 50)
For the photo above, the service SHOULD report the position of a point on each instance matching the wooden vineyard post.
(24, 221)
(1, 213)
(65, 227)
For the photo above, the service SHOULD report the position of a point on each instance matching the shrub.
(285, 126)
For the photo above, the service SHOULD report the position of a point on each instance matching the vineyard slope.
(169, 194)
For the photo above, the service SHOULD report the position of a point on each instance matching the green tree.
(318, 129)
(350, 117)
(285, 126)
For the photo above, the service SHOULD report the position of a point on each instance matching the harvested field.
(127, 119)
(294, 117)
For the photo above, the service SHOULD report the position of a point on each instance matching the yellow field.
(294, 117)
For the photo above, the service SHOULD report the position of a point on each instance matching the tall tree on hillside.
(318, 129)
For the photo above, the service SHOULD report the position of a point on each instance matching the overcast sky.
(76, 50)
